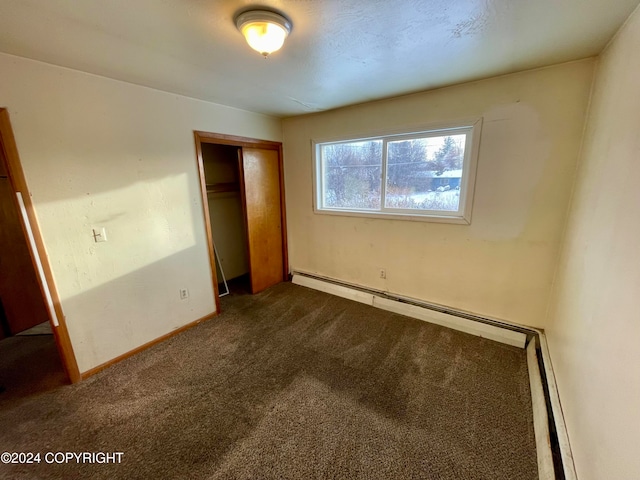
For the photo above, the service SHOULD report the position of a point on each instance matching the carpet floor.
(294, 384)
(29, 365)
(40, 329)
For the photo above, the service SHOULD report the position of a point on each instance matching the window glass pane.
(352, 174)
(425, 173)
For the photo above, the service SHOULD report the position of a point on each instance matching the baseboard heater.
(555, 460)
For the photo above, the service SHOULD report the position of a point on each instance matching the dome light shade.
(265, 31)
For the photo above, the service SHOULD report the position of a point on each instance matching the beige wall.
(502, 264)
(595, 318)
(102, 153)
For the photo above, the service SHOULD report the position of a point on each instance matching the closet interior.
(242, 185)
(226, 214)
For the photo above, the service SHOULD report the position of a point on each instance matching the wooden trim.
(236, 141)
(283, 220)
(243, 202)
(207, 219)
(19, 184)
(147, 345)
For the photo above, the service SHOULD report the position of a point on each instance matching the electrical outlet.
(383, 273)
(184, 294)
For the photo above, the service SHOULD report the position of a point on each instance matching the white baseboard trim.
(540, 416)
(333, 289)
(491, 332)
(550, 398)
(497, 334)
(562, 433)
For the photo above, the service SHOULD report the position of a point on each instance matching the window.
(426, 175)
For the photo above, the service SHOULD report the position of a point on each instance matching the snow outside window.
(427, 175)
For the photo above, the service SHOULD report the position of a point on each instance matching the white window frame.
(467, 182)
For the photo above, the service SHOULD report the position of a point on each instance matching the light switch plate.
(100, 234)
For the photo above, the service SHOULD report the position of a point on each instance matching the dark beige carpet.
(29, 365)
(295, 384)
(40, 329)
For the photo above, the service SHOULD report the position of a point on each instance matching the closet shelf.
(223, 187)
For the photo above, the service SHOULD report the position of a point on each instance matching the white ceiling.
(340, 52)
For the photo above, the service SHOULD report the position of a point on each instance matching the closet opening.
(228, 229)
(242, 187)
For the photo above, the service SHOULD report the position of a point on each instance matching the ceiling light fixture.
(265, 31)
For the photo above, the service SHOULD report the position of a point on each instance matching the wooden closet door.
(260, 169)
(20, 292)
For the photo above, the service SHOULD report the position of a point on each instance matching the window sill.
(461, 220)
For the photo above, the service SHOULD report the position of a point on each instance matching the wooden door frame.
(19, 184)
(236, 141)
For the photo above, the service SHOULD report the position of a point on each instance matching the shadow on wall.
(135, 308)
(122, 293)
(100, 153)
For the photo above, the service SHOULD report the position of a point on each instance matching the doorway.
(243, 196)
(34, 341)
